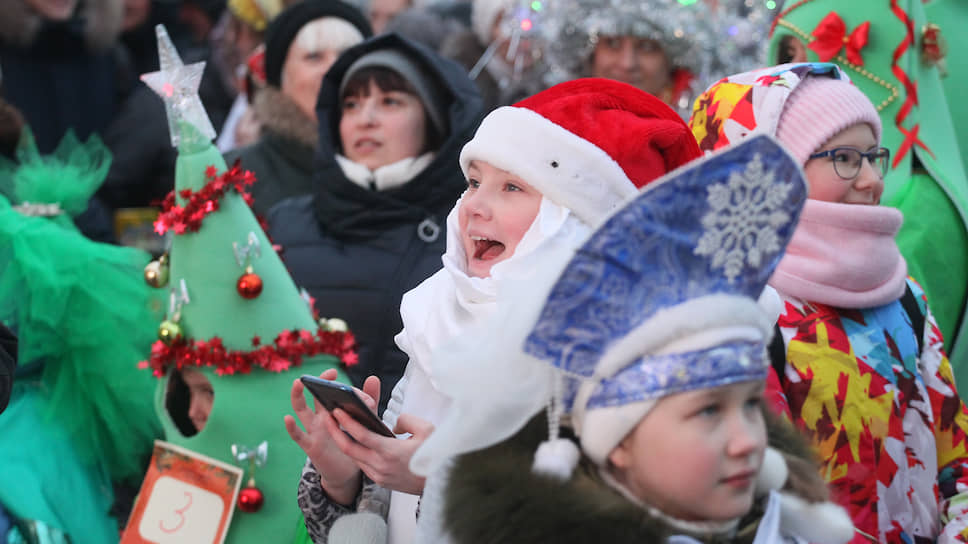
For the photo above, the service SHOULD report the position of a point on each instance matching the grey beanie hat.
(427, 89)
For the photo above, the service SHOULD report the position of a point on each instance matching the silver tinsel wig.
(710, 42)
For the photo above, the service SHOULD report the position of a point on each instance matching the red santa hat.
(586, 144)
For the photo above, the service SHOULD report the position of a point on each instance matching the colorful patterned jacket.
(888, 426)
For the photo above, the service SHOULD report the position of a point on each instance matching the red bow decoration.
(832, 36)
(934, 48)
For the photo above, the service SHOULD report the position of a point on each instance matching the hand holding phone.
(334, 395)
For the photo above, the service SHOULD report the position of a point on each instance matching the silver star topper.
(177, 85)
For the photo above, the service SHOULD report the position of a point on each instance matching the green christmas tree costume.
(952, 18)
(927, 179)
(81, 416)
(249, 402)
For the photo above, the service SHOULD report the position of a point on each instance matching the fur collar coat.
(492, 496)
(20, 25)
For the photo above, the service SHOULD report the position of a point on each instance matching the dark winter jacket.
(357, 251)
(63, 74)
(66, 75)
(282, 158)
(143, 170)
(500, 485)
(8, 362)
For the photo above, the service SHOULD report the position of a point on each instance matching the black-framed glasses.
(848, 160)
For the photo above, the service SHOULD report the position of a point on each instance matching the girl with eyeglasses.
(858, 359)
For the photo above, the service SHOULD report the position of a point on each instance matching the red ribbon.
(831, 36)
(910, 88)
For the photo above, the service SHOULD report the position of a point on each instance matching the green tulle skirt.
(48, 490)
(85, 318)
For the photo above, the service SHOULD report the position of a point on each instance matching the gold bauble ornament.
(333, 324)
(169, 332)
(156, 273)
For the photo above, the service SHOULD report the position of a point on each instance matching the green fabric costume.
(952, 17)
(80, 417)
(927, 181)
(248, 407)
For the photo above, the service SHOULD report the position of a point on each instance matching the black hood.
(348, 211)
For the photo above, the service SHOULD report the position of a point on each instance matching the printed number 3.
(181, 516)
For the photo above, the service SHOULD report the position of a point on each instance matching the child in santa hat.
(859, 360)
(649, 353)
(541, 174)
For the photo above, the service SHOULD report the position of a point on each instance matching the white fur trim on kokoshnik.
(569, 170)
(691, 326)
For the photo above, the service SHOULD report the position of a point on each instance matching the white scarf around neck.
(451, 303)
(390, 176)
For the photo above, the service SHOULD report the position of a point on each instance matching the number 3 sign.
(185, 498)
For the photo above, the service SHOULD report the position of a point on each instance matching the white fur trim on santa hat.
(567, 169)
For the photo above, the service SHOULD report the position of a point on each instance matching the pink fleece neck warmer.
(843, 255)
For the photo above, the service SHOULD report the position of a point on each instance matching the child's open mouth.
(486, 249)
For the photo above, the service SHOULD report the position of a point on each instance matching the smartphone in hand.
(337, 395)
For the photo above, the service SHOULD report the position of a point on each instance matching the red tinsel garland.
(287, 351)
(188, 218)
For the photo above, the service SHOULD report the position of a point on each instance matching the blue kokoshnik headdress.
(662, 298)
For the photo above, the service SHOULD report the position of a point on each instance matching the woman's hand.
(339, 474)
(385, 460)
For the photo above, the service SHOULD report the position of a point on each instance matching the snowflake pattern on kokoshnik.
(740, 228)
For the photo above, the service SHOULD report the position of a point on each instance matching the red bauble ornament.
(249, 285)
(251, 499)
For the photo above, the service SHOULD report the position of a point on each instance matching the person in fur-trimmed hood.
(648, 354)
(301, 44)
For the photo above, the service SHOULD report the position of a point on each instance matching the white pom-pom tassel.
(773, 472)
(556, 458)
(820, 523)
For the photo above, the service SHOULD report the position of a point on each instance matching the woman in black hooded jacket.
(372, 232)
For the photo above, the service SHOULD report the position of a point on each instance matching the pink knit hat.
(818, 109)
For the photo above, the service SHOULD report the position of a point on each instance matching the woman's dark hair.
(388, 80)
(178, 400)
